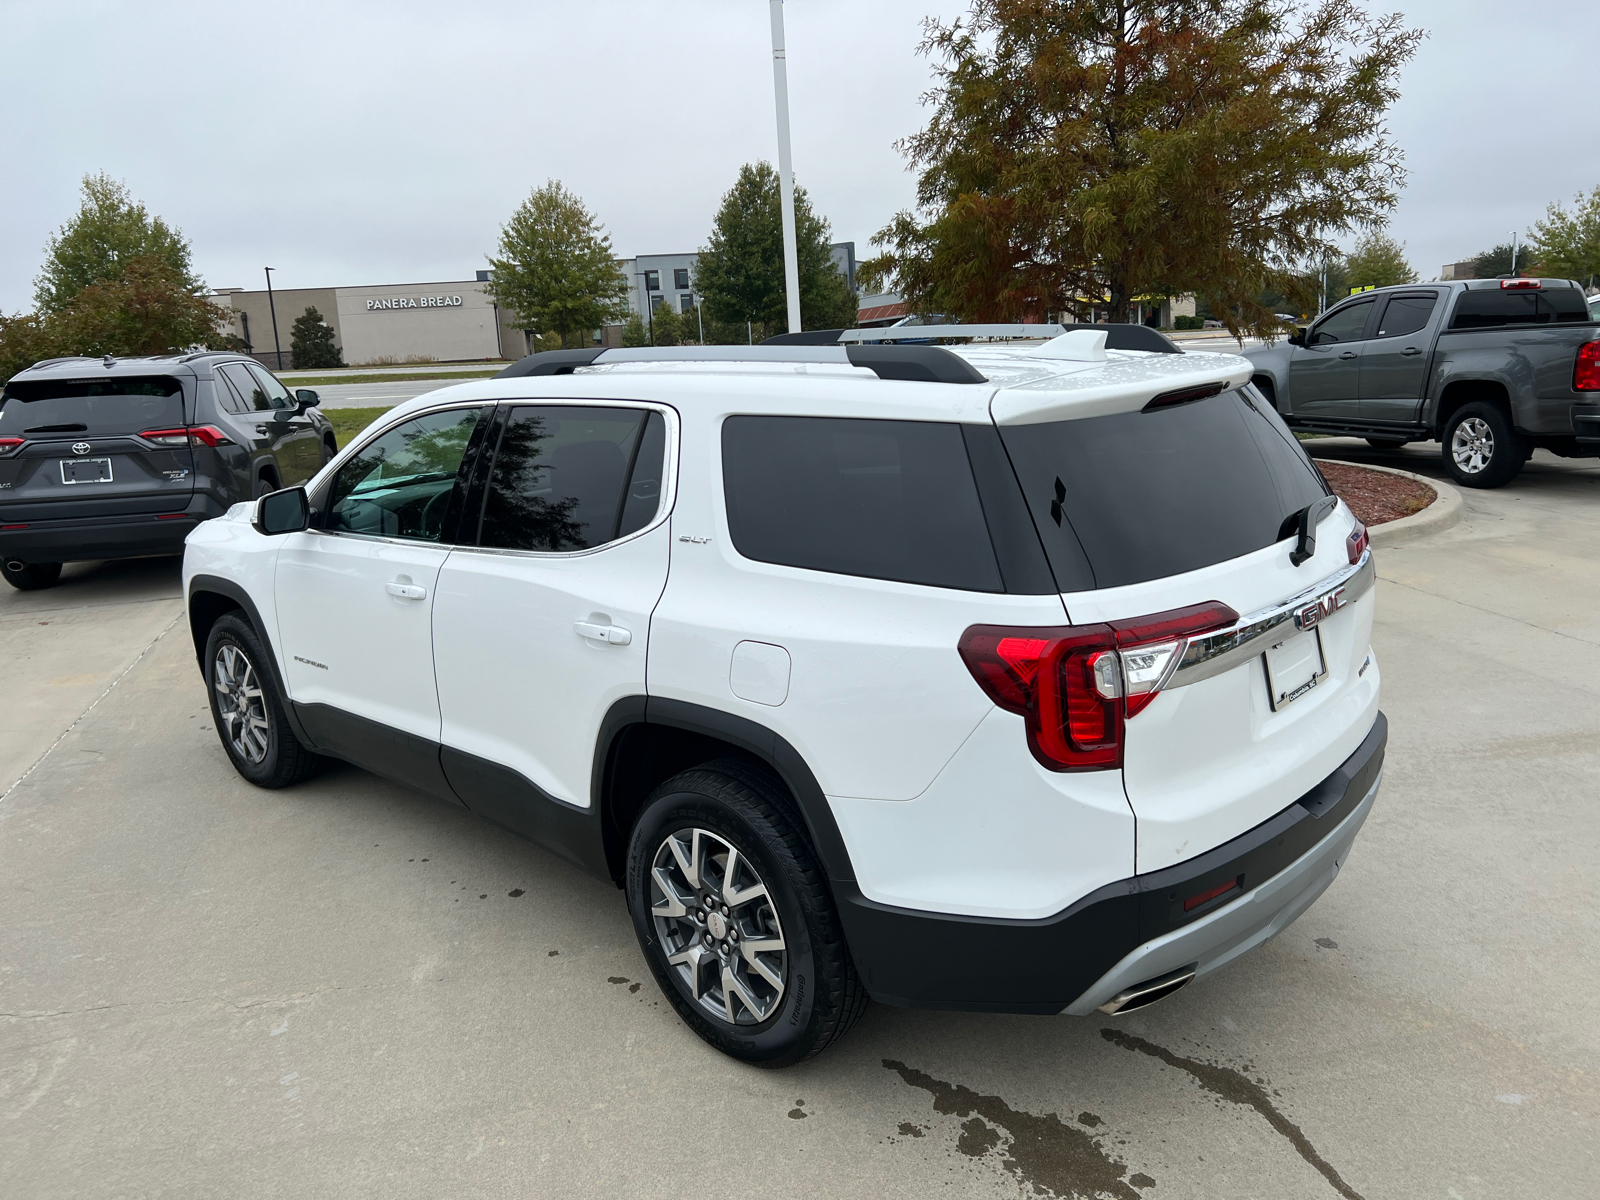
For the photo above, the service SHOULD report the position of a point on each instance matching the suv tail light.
(1356, 544)
(1076, 685)
(205, 435)
(1586, 371)
(7, 445)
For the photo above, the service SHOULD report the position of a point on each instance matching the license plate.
(85, 470)
(1294, 666)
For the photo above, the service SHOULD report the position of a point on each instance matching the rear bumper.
(1129, 931)
(126, 536)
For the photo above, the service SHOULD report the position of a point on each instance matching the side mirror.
(306, 398)
(286, 511)
(1297, 338)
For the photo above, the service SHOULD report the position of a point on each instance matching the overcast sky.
(372, 143)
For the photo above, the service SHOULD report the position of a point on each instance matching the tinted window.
(559, 475)
(277, 394)
(884, 499)
(1142, 495)
(127, 404)
(253, 394)
(400, 484)
(1405, 314)
(227, 396)
(1565, 304)
(680, 278)
(1346, 325)
(1484, 309)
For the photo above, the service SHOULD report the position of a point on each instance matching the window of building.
(686, 302)
(652, 281)
(680, 278)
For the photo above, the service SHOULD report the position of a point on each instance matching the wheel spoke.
(673, 905)
(733, 985)
(694, 958)
(690, 864)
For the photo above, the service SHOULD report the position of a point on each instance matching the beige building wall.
(252, 316)
(449, 321)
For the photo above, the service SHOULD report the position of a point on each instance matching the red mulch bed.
(1375, 496)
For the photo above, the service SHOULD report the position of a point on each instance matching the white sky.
(368, 143)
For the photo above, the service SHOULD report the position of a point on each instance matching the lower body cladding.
(1129, 942)
(125, 535)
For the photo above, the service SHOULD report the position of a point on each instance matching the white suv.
(889, 671)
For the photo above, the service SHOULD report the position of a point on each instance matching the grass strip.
(398, 377)
(347, 422)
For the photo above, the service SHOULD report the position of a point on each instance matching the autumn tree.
(740, 269)
(1567, 244)
(110, 230)
(556, 268)
(1378, 261)
(1095, 151)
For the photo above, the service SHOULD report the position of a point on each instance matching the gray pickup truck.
(1491, 368)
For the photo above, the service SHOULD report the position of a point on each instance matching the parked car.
(1491, 368)
(117, 458)
(1001, 679)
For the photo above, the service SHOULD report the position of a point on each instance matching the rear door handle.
(407, 591)
(1410, 350)
(613, 635)
(1348, 354)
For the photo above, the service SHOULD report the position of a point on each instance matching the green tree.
(1567, 244)
(1378, 261)
(668, 327)
(740, 269)
(109, 231)
(311, 342)
(555, 267)
(1093, 151)
(1496, 261)
(634, 332)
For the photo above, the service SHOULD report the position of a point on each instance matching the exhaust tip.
(14, 565)
(1142, 995)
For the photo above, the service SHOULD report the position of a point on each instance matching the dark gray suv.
(117, 458)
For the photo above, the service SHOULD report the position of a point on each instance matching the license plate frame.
(73, 477)
(1285, 665)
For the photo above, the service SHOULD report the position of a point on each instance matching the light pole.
(780, 89)
(701, 313)
(644, 301)
(1513, 253)
(277, 346)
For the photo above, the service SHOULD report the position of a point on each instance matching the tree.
(110, 230)
(1496, 261)
(1087, 152)
(634, 332)
(311, 342)
(740, 269)
(669, 329)
(1378, 261)
(1567, 244)
(556, 269)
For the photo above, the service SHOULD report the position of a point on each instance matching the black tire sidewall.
(238, 632)
(790, 1034)
(1511, 449)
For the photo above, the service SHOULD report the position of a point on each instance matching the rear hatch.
(93, 447)
(1194, 504)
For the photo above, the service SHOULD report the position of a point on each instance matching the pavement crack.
(1235, 1087)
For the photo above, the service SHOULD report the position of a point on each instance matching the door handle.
(613, 635)
(407, 591)
(1348, 354)
(1410, 350)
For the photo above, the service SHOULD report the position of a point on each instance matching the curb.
(1444, 512)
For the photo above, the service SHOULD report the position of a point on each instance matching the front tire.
(30, 577)
(247, 709)
(1481, 447)
(1378, 443)
(736, 919)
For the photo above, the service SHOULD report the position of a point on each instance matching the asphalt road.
(345, 988)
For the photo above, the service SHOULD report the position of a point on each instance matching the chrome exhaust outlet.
(1141, 995)
(14, 565)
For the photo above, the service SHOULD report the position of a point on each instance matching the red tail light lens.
(1356, 544)
(1076, 685)
(205, 435)
(208, 435)
(7, 445)
(1586, 371)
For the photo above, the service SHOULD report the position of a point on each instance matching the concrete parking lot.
(345, 988)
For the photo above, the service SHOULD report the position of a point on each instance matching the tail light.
(1520, 285)
(7, 445)
(1076, 685)
(1586, 371)
(1356, 544)
(205, 435)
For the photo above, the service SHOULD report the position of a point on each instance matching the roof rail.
(895, 332)
(1118, 337)
(921, 364)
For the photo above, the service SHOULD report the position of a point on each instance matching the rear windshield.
(43, 408)
(1133, 496)
(1485, 309)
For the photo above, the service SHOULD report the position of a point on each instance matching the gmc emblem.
(1319, 610)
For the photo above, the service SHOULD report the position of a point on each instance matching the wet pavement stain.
(515, 892)
(1234, 1086)
(1045, 1152)
(797, 1113)
(907, 1129)
(1327, 943)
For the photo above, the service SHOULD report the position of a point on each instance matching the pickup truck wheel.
(1386, 443)
(1481, 449)
(247, 710)
(736, 919)
(30, 577)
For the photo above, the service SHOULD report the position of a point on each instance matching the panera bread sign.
(414, 302)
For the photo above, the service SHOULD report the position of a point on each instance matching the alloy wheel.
(240, 703)
(718, 927)
(1472, 445)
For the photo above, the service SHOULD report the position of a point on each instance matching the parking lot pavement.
(345, 988)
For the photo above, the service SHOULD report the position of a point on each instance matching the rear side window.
(250, 391)
(1123, 498)
(1486, 309)
(1405, 314)
(40, 408)
(572, 478)
(882, 499)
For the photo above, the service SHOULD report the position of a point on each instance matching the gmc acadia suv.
(1028, 679)
(116, 458)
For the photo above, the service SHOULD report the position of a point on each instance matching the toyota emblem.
(81, 447)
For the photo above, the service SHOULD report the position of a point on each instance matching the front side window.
(277, 394)
(572, 478)
(1346, 325)
(1405, 314)
(400, 484)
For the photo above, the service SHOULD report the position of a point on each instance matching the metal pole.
(277, 346)
(701, 313)
(1513, 252)
(780, 89)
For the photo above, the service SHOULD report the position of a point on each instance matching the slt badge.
(1319, 610)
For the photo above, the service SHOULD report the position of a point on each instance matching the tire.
(30, 577)
(1481, 449)
(244, 698)
(712, 813)
(328, 453)
(1386, 443)
(264, 487)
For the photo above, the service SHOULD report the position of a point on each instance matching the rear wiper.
(58, 429)
(1305, 522)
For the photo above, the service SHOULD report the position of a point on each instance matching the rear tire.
(1481, 448)
(30, 577)
(247, 709)
(770, 1007)
(264, 487)
(1386, 443)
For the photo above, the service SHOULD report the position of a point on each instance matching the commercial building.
(655, 279)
